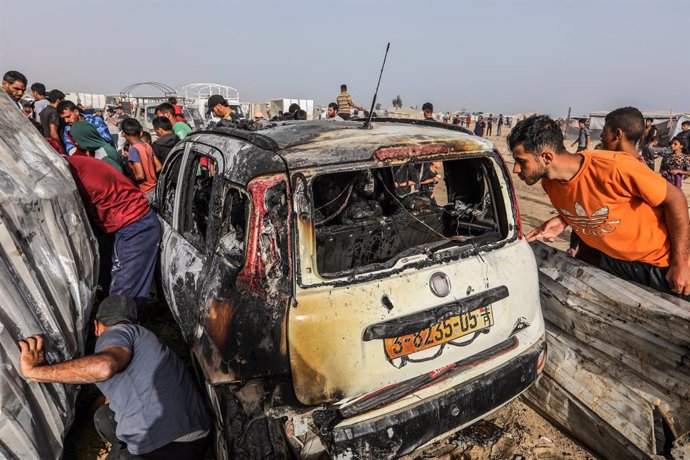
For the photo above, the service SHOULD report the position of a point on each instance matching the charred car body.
(363, 291)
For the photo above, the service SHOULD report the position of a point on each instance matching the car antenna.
(367, 122)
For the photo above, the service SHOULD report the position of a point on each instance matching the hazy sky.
(509, 56)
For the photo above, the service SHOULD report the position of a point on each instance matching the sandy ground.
(513, 432)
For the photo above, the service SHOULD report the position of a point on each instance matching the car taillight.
(541, 361)
(513, 195)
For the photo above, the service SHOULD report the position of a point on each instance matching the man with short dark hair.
(332, 112)
(635, 218)
(623, 129)
(650, 132)
(166, 138)
(684, 135)
(345, 103)
(38, 91)
(153, 409)
(479, 126)
(583, 136)
(50, 120)
(144, 164)
(428, 111)
(180, 128)
(69, 113)
(14, 84)
(219, 107)
(490, 125)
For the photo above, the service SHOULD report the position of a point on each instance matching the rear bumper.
(403, 431)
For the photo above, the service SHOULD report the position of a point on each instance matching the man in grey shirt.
(582, 137)
(38, 91)
(154, 410)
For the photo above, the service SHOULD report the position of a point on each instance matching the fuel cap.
(439, 284)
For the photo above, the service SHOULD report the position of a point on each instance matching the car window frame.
(178, 152)
(191, 149)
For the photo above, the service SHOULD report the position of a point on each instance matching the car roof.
(313, 144)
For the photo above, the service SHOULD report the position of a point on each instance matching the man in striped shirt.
(345, 103)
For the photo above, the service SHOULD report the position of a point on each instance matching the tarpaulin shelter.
(665, 123)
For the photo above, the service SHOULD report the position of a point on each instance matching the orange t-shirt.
(144, 155)
(613, 204)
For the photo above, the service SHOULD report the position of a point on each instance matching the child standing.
(144, 164)
(675, 164)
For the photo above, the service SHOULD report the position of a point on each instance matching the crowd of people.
(154, 410)
(625, 219)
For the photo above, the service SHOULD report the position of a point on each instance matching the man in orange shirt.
(614, 203)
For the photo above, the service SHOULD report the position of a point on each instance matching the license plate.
(442, 332)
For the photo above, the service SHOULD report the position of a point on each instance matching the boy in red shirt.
(145, 165)
(613, 202)
(115, 205)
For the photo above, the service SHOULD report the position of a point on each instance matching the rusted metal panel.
(48, 273)
(617, 374)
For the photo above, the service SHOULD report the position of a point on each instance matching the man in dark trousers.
(117, 206)
(153, 410)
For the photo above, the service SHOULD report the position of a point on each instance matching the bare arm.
(676, 215)
(352, 104)
(88, 369)
(54, 133)
(549, 230)
(157, 164)
(138, 170)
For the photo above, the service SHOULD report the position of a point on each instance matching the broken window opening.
(170, 192)
(233, 230)
(368, 219)
(200, 176)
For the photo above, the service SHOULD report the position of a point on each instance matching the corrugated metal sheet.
(48, 274)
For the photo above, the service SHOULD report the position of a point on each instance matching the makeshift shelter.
(665, 123)
(677, 128)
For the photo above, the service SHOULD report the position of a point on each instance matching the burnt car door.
(247, 283)
(191, 187)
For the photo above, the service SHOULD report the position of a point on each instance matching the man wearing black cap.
(158, 409)
(218, 106)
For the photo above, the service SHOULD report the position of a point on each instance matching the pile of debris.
(617, 376)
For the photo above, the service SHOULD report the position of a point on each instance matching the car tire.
(237, 435)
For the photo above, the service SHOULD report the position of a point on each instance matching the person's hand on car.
(548, 231)
(31, 354)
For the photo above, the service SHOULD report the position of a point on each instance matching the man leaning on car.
(613, 202)
(154, 410)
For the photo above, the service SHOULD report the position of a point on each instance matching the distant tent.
(664, 122)
(681, 118)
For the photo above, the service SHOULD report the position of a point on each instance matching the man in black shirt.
(50, 120)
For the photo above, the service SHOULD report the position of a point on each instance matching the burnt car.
(358, 292)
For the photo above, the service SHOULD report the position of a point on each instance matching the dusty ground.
(513, 432)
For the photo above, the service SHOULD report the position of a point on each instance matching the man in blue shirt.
(479, 126)
(154, 409)
(69, 113)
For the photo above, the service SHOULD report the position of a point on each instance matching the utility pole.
(567, 123)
